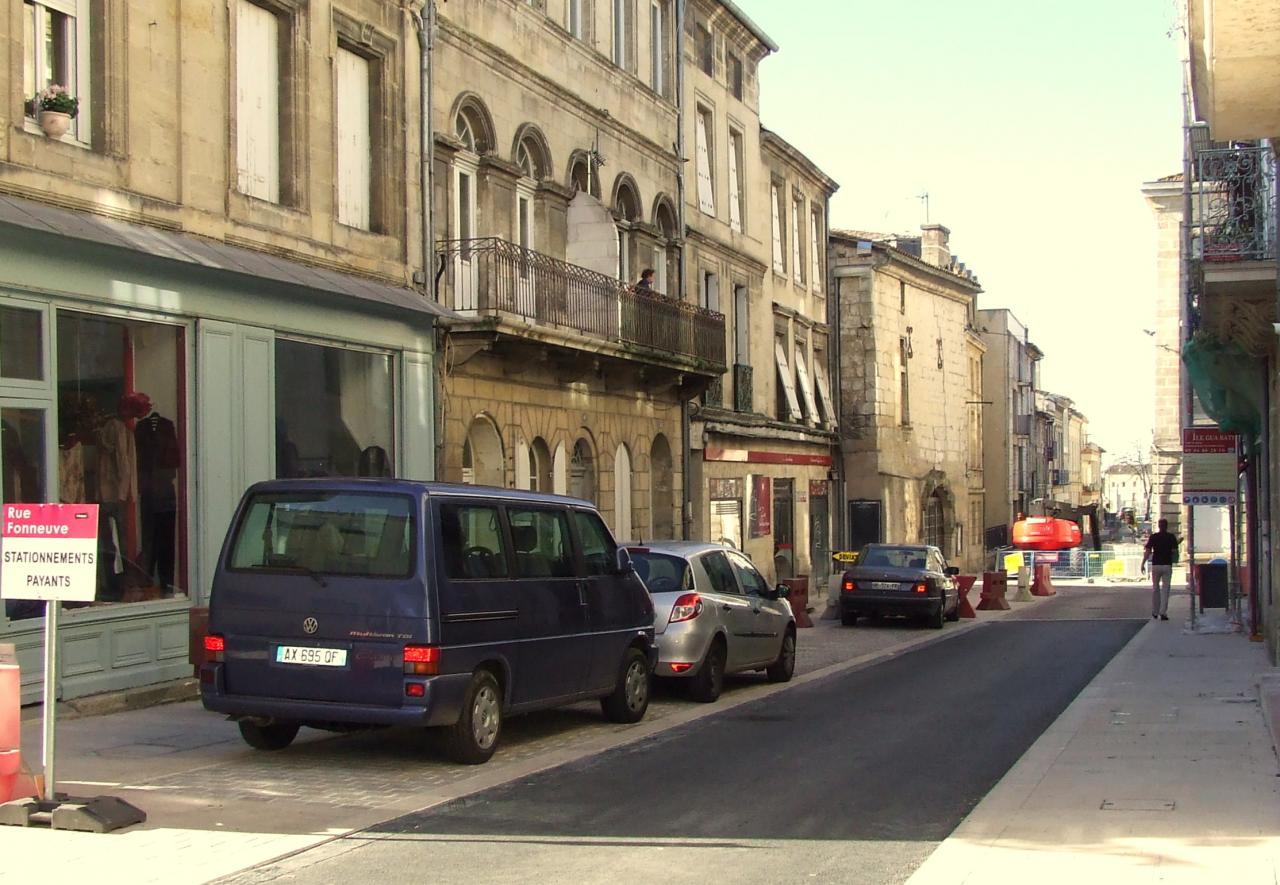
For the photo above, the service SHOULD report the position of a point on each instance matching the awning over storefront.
(1228, 382)
(209, 254)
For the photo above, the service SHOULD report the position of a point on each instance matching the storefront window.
(21, 344)
(334, 412)
(121, 431)
(22, 458)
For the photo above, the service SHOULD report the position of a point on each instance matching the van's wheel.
(784, 667)
(708, 682)
(474, 737)
(630, 697)
(275, 736)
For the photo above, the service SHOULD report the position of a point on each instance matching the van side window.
(471, 537)
(541, 539)
(599, 553)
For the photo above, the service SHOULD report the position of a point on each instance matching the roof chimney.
(935, 248)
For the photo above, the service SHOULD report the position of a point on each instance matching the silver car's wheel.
(708, 682)
(784, 667)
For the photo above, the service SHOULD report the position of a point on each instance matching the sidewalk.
(1162, 770)
(216, 807)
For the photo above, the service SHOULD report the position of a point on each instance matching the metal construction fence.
(1116, 564)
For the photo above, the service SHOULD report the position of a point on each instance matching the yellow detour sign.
(845, 557)
(1113, 568)
(1013, 562)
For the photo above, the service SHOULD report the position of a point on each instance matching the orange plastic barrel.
(10, 722)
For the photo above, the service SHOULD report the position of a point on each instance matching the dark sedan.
(900, 579)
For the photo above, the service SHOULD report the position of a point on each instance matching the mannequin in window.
(159, 457)
(117, 489)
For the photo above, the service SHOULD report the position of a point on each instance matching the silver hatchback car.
(714, 613)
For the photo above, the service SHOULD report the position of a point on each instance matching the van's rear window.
(331, 533)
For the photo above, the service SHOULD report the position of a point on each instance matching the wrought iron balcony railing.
(1235, 210)
(491, 275)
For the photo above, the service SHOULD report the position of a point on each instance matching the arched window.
(581, 177)
(622, 493)
(582, 471)
(661, 489)
(626, 211)
(540, 466)
(666, 255)
(482, 461)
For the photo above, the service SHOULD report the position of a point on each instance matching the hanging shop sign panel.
(50, 552)
(1209, 466)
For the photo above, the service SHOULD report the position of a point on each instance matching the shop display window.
(334, 411)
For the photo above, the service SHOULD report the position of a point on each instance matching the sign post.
(1210, 476)
(49, 553)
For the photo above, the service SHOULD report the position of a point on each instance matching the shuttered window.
(257, 102)
(797, 237)
(779, 260)
(735, 180)
(706, 188)
(788, 386)
(354, 154)
(815, 254)
(824, 389)
(806, 389)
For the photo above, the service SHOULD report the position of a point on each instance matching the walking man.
(1162, 551)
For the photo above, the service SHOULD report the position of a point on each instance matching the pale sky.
(1032, 126)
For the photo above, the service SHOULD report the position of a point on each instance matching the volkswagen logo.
(310, 625)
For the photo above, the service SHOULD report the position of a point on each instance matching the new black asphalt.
(893, 753)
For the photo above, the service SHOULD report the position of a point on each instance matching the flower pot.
(55, 123)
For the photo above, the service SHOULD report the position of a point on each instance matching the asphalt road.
(915, 742)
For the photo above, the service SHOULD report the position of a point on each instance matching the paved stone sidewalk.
(216, 807)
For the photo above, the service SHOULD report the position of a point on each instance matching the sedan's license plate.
(884, 585)
(311, 657)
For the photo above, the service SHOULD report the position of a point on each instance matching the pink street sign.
(49, 552)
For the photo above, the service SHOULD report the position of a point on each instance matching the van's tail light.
(849, 586)
(922, 587)
(687, 607)
(214, 648)
(421, 660)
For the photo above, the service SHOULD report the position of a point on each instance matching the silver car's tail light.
(686, 608)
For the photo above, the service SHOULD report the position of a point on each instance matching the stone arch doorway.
(582, 471)
(662, 489)
(482, 460)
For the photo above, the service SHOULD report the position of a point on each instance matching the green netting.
(1228, 383)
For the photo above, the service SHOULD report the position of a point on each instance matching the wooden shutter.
(706, 192)
(815, 259)
(806, 389)
(354, 149)
(824, 393)
(735, 183)
(797, 267)
(778, 263)
(788, 386)
(257, 102)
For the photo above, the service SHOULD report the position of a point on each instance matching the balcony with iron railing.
(1235, 208)
(521, 290)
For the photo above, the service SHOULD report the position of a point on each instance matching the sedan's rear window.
(332, 533)
(893, 557)
(661, 572)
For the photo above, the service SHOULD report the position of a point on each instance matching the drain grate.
(1138, 805)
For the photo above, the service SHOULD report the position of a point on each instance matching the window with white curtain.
(659, 29)
(55, 52)
(577, 20)
(354, 142)
(257, 101)
(704, 147)
(623, 28)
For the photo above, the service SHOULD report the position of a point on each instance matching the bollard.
(1024, 586)
(994, 585)
(798, 597)
(10, 723)
(1043, 584)
(964, 583)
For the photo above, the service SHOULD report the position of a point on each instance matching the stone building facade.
(229, 226)
(906, 345)
(1010, 377)
(556, 184)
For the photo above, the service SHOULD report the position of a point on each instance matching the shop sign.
(845, 557)
(50, 552)
(725, 489)
(817, 488)
(761, 506)
(1209, 466)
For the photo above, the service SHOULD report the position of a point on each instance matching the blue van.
(342, 603)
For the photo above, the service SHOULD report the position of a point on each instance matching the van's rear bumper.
(442, 704)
